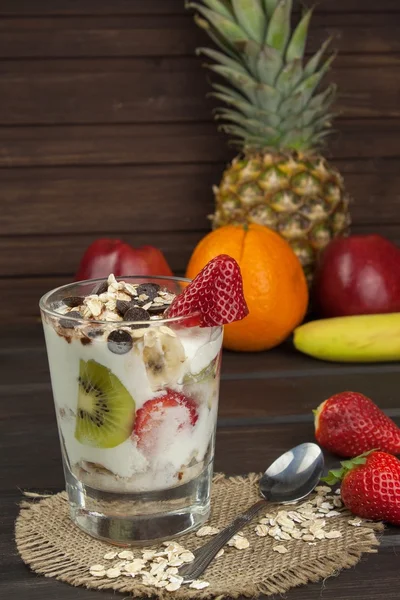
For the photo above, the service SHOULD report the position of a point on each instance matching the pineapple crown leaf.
(222, 59)
(269, 64)
(221, 7)
(226, 26)
(251, 18)
(278, 30)
(261, 57)
(216, 37)
(298, 40)
(269, 7)
(315, 60)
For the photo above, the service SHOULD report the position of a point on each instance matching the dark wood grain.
(157, 198)
(167, 143)
(172, 35)
(138, 7)
(39, 255)
(118, 91)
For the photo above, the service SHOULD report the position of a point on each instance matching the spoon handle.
(205, 554)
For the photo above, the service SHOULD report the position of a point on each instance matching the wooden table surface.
(265, 408)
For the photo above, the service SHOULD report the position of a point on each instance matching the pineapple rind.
(303, 198)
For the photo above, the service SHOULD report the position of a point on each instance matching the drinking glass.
(136, 406)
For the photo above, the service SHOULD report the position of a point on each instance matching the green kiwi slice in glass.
(106, 410)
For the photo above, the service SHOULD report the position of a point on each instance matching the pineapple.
(278, 116)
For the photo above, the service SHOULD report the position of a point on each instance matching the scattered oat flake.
(281, 549)
(296, 534)
(175, 562)
(242, 543)
(220, 553)
(110, 555)
(173, 586)
(126, 554)
(274, 531)
(187, 557)
(357, 522)
(97, 568)
(172, 570)
(131, 569)
(261, 530)
(148, 579)
(207, 530)
(295, 516)
(333, 534)
(308, 537)
(113, 573)
(323, 489)
(337, 491)
(148, 555)
(197, 584)
(284, 521)
(97, 573)
(337, 502)
(332, 513)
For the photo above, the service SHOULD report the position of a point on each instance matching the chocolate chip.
(94, 333)
(67, 323)
(119, 342)
(101, 288)
(150, 289)
(123, 306)
(137, 314)
(85, 341)
(73, 301)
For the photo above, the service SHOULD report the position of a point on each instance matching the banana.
(163, 355)
(362, 338)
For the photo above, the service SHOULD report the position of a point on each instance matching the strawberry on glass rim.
(216, 294)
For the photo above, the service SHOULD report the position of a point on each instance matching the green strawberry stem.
(336, 475)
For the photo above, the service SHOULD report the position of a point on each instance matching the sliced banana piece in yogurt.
(163, 356)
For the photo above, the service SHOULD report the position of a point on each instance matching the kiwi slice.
(106, 410)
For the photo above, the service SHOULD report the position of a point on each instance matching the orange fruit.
(273, 281)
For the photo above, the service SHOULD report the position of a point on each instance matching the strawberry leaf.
(336, 475)
(333, 476)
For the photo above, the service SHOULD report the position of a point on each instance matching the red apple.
(107, 256)
(358, 275)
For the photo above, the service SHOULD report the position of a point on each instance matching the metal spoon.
(291, 477)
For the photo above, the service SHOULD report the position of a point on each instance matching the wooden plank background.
(105, 129)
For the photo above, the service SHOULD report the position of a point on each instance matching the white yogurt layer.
(134, 469)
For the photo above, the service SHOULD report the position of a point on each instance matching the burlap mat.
(51, 545)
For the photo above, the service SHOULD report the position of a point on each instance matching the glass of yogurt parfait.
(136, 400)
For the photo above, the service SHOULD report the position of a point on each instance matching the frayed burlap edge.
(46, 557)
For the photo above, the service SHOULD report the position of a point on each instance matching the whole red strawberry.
(349, 424)
(370, 486)
(216, 293)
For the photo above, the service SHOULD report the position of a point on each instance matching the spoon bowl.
(293, 475)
